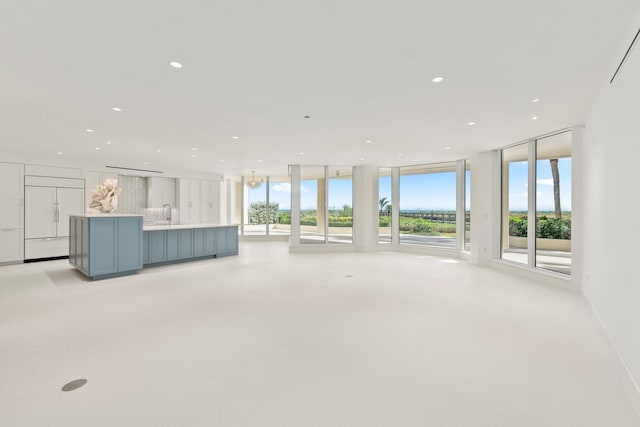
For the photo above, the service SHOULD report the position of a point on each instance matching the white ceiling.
(361, 69)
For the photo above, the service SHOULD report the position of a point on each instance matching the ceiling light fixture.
(193, 155)
(59, 153)
(116, 109)
(534, 118)
(447, 148)
(301, 153)
(471, 123)
(437, 79)
(97, 148)
(175, 64)
(234, 137)
(259, 160)
(88, 130)
(159, 150)
(194, 149)
(108, 142)
(253, 183)
(534, 100)
(368, 141)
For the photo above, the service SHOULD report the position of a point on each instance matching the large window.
(256, 208)
(279, 206)
(266, 205)
(515, 203)
(326, 205)
(384, 205)
(467, 205)
(428, 205)
(553, 203)
(544, 165)
(340, 204)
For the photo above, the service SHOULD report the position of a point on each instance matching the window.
(545, 165)
(384, 205)
(256, 209)
(515, 203)
(340, 204)
(312, 204)
(428, 205)
(279, 206)
(467, 205)
(553, 203)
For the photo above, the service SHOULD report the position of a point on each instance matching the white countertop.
(182, 226)
(99, 215)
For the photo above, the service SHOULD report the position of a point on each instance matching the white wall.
(611, 155)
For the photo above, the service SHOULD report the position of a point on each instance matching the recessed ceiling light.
(535, 100)
(234, 137)
(194, 149)
(204, 170)
(193, 155)
(259, 160)
(97, 148)
(89, 130)
(361, 158)
(447, 148)
(221, 161)
(471, 123)
(108, 142)
(534, 118)
(116, 109)
(145, 163)
(399, 154)
(59, 153)
(437, 79)
(415, 160)
(159, 150)
(368, 141)
(175, 64)
(301, 153)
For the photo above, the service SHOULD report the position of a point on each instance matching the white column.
(577, 208)
(365, 208)
(295, 206)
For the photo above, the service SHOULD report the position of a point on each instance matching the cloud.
(304, 189)
(284, 187)
(545, 181)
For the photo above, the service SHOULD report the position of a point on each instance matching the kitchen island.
(104, 246)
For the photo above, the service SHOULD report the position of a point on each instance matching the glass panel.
(467, 205)
(384, 205)
(255, 215)
(428, 205)
(312, 204)
(553, 203)
(515, 203)
(340, 181)
(279, 206)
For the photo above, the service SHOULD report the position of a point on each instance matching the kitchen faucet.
(166, 213)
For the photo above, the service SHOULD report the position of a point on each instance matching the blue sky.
(518, 186)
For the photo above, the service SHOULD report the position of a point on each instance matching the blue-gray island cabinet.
(103, 246)
(178, 243)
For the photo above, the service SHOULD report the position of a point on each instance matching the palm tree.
(384, 203)
(556, 187)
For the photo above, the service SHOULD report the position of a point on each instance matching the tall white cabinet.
(211, 202)
(48, 203)
(11, 212)
(190, 200)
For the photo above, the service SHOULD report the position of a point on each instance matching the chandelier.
(253, 183)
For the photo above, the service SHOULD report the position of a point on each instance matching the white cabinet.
(211, 202)
(190, 200)
(12, 212)
(161, 191)
(48, 204)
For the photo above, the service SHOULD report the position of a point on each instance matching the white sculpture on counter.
(105, 197)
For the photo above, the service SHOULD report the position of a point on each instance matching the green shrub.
(546, 228)
(518, 226)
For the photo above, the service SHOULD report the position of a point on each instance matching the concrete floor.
(270, 338)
